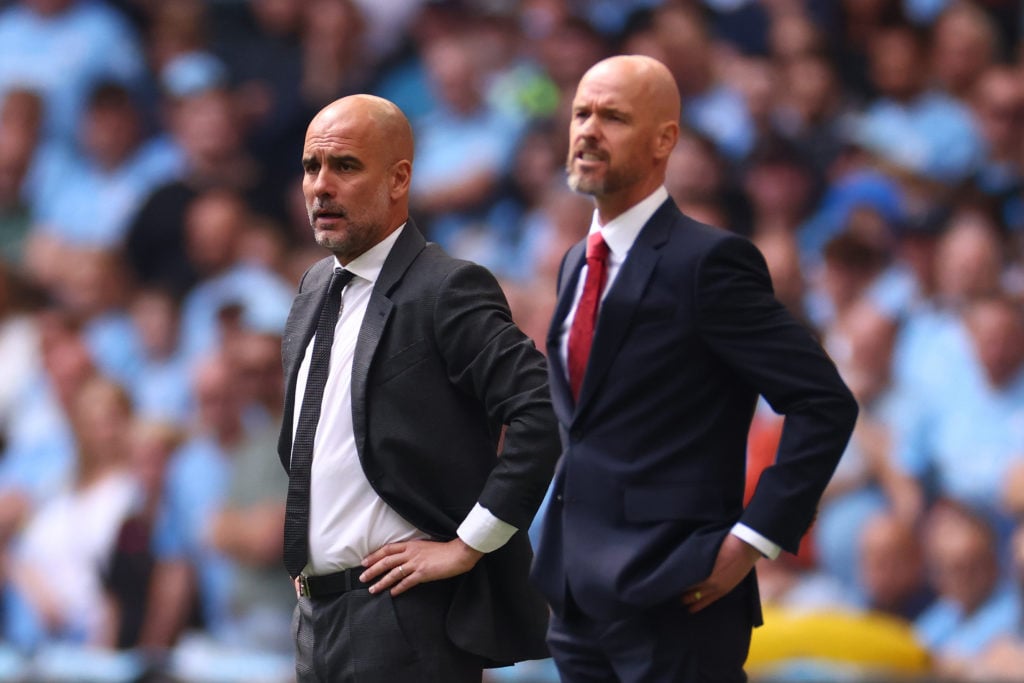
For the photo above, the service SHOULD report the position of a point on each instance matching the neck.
(611, 206)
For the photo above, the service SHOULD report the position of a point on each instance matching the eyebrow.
(333, 160)
(604, 110)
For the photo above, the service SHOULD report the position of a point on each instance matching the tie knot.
(597, 248)
(339, 278)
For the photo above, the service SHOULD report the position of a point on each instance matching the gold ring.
(696, 596)
(401, 570)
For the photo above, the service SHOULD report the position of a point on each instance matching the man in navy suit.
(665, 333)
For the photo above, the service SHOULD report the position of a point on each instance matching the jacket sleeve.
(490, 358)
(744, 325)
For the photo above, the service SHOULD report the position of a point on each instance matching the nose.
(588, 127)
(320, 183)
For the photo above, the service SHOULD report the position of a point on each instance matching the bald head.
(357, 163)
(377, 118)
(646, 77)
(625, 123)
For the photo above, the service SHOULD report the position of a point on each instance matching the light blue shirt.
(197, 483)
(944, 628)
(84, 205)
(64, 56)
(721, 114)
(261, 294)
(40, 454)
(965, 433)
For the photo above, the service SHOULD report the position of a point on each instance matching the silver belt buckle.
(303, 586)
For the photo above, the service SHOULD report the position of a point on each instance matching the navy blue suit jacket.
(651, 476)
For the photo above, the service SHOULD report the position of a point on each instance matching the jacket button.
(558, 498)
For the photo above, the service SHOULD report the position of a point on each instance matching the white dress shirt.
(347, 519)
(619, 234)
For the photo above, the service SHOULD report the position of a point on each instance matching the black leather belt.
(331, 584)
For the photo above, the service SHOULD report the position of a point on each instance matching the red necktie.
(581, 334)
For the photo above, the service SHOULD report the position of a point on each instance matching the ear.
(399, 178)
(665, 140)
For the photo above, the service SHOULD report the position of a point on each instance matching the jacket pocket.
(400, 361)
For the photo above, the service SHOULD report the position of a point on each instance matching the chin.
(329, 240)
(584, 185)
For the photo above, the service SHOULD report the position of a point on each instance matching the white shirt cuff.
(482, 531)
(764, 546)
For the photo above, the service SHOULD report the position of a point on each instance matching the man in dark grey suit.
(405, 526)
(664, 334)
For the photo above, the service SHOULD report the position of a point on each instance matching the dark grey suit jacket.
(652, 475)
(439, 370)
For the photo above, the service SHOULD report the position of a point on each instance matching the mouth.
(328, 215)
(589, 156)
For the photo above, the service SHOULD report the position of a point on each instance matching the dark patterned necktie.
(296, 520)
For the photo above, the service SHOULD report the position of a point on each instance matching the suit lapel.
(559, 383)
(622, 300)
(298, 330)
(378, 311)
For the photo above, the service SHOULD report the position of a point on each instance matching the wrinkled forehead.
(608, 87)
(335, 132)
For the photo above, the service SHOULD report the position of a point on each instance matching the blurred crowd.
(152, 233)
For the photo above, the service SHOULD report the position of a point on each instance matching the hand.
(400, 566)
(735, 560)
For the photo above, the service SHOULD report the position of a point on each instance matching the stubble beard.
(584, 185)
(597, 186)
(579, 182)
(356, 236)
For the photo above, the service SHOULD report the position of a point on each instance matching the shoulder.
(316, 273)
(439, 267)
(694, 241)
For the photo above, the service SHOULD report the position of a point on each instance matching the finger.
(393, 578)
(693, 595)
(381, 567)
(382, 552)
(405, 584)
(699, 602)
(703, 603)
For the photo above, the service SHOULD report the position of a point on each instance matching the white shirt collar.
(369, 264)
(620, 232)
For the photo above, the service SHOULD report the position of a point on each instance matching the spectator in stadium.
(104, 179)
(891, 567)
(247, 526)
(710, 105)
(866, 482)
(216, 225)
(39, 453)
(160, 389)
(461, 148)
(20, 123)
(973, 607)
(973, 411)
(965, 42)
(206, 124)
(56, 565)
(189, 570)
(998, 105)
(63, 49)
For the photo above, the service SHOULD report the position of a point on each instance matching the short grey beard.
(578, 184)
